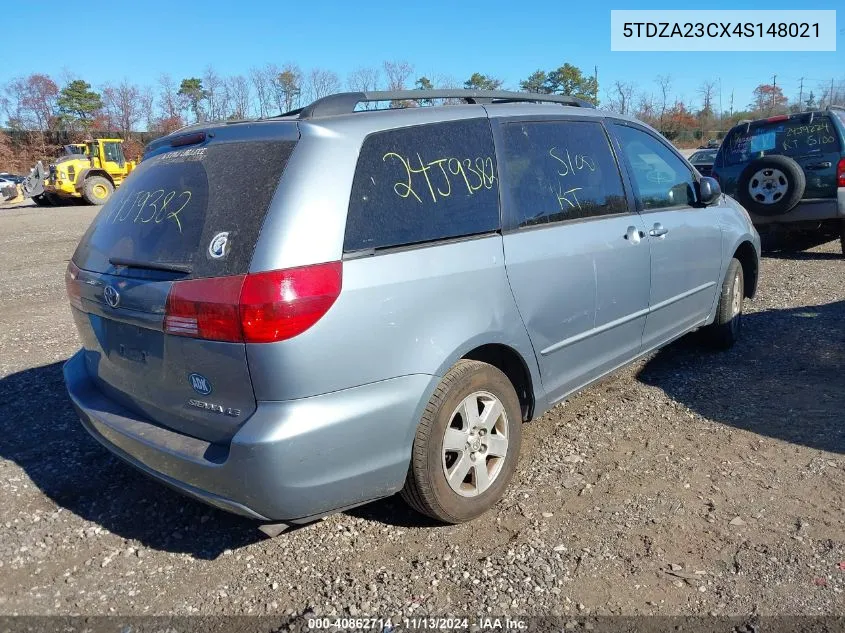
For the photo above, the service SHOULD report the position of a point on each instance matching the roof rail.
(346, 102)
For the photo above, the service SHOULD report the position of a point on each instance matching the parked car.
(288, 317)
(788, 171)
(713, 143)
(13, 178)
(702, 160)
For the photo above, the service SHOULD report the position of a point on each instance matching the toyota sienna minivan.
(292, 316)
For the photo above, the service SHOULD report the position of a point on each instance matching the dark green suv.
(788, 171)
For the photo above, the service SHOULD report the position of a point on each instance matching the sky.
(140, 40)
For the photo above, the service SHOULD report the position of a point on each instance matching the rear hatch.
(810, 139)
(190, 212)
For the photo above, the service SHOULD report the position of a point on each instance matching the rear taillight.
(257, 308)
(840, 173)
(74, 294)
(205, 308)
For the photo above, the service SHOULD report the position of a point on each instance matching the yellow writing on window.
(439, 178)
(570, 164)
(156, 206)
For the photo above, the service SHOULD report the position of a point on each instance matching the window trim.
(509, 220)
(639, 205)
(379, 250)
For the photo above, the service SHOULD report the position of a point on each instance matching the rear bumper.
(290, 461)
(814, 210)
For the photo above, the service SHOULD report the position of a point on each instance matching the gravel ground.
(688, 484)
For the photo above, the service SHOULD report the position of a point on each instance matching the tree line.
(39, 104)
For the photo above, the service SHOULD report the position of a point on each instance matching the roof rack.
(346, 102)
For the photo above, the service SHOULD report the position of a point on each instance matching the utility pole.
(801, 96)
(720, 99)
(732, 102)
(596, 80)
(774, 88)
(830, 96)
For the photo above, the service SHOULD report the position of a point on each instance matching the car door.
(685, 239)
(575, 250)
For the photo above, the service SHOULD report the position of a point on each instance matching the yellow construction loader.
(88, 171)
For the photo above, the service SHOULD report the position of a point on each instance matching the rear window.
(795, 137)
(424, 183)
(199, 209)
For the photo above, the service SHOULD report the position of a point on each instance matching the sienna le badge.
(217, 247)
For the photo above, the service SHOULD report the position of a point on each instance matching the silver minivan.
(289, 317)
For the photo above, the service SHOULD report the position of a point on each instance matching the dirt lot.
(691, 483)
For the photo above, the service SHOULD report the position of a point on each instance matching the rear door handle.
(824, 165)
(658, 230)
(633, 235)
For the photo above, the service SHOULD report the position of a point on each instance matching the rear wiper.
(134, 263)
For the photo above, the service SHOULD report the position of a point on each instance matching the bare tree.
(170, 103)
(215, 94)
(32, 102)
(664, 83)
(647, 109)
(321, 83)
(263, 90)
(363, 79)
(707, 89)
(146, 104)
(397, 73)
(238, 91)
(622, 97)
(122, 107)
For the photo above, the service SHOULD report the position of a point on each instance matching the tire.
(725, 329)
(771, 185)
(842, 237)
(427, 488)
(97, 190)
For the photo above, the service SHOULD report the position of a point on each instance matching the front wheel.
(467, 444)
(726, 328)
(97, 190)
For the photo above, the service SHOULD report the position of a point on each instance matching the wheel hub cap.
(768, 185)
(475, 444)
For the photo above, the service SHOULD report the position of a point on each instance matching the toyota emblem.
(112, 296)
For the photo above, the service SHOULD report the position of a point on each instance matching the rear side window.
(424, 183)
(196, 208)
(795, 137)
(560, 170)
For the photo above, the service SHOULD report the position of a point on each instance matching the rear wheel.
(726, 328)
(842, 237)
(467, 444)
(97, 190)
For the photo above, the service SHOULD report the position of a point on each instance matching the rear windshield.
(196, 209)
(796, 137)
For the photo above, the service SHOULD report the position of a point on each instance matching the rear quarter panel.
(412, 310)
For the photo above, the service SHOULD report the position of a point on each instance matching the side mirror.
(709, 190)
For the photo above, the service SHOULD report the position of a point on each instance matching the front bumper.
(291, 461)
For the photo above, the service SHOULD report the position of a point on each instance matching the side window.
(661, 178)
(424, 183)
(560, 170)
